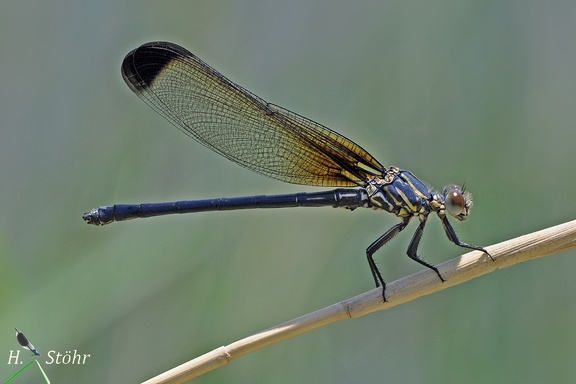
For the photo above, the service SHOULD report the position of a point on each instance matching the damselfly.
(23, 341)
(278, 143)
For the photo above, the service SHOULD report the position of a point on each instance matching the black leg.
(386, 237)
(454, 238)
(413, 249)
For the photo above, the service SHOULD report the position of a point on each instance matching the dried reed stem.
(546, 242)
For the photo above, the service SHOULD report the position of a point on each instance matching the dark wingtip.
(142, 65)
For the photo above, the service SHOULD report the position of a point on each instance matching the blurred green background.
(475, 92)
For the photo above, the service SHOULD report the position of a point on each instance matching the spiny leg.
(451, 234)
(413, 248)
(376, 245)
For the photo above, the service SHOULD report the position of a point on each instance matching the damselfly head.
(457, 202)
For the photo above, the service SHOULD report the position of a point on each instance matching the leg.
(386, 237)
(454, 238)
(413, 249)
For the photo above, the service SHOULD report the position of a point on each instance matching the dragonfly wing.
(241, 126)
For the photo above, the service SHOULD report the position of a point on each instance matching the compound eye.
(455, 202)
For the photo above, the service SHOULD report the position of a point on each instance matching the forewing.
(239, 125)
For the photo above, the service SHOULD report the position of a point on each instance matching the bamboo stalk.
(546, 242)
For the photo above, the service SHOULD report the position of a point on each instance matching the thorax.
(399, 192)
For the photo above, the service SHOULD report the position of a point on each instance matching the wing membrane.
(241, 126)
